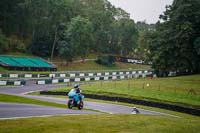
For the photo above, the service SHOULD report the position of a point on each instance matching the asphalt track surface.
(10, 110)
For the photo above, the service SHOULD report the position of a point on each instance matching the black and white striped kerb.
(136, 73)
(55, 78)
(79, 79)
(9, 82)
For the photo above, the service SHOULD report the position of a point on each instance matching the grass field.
(183, 90)
(102, 124)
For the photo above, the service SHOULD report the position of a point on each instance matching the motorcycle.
(75, 100)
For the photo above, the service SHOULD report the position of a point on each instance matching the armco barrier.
(178, 108)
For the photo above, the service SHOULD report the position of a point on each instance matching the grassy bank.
(177, 90)
(102, 124)
(18, 99)
(91, 65)
(77, 64)
(88, 65)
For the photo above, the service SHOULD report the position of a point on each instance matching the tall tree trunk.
(54, 43)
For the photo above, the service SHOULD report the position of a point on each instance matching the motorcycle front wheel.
(70, 104)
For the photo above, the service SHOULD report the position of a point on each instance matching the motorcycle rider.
(77, 90)
(75, 97)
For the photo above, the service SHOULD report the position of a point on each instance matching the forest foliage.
(68, 28)
(71, 28)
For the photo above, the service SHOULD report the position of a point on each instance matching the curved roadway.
(10, 110)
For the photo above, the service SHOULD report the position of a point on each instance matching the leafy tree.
(3, 43)
(65, 48)
(65, 51)
(176, 36)
(59, 13)
(37, 23)
(40, 45)
(197, 45)
(80, 34)
(101, 14)
(123, 37)
(145, 32)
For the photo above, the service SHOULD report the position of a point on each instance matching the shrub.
(105, 60)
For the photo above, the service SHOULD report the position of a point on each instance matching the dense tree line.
(71, 28)
(174, 45)
(66, 28)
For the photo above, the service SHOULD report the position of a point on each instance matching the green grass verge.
(102, 124)
(17, 99)
(175, 90)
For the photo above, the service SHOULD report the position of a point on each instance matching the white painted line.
(28, 92)
(26, 117)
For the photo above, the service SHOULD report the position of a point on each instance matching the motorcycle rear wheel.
(80, 105)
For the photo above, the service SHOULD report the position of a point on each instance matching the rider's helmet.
(76, 85)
